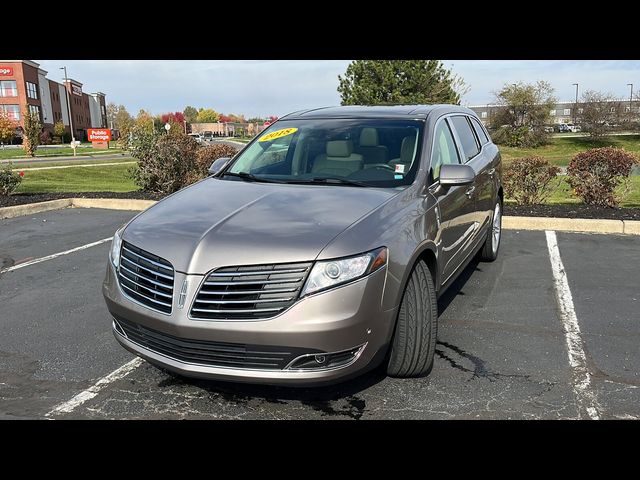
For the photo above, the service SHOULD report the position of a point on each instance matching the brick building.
(23, 84)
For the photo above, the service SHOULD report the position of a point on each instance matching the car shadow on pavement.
(456, 288)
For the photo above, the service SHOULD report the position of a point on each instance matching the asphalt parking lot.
(507, 347)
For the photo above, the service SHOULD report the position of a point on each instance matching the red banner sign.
(6, 71)
(99, 134)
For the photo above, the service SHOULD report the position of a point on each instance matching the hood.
(217, 223)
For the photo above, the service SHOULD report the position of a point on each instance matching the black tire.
(489, 252)
(414, 342)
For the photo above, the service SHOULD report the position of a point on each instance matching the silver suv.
(316, 253)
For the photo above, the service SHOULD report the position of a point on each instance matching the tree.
(59, 130)
(32, 129)
(7, 128)
(207, 115)
(525, 111)
(376, 82)
(237, 118)
(176, 117)
(225, 118)
(599, 112)
(190, 113)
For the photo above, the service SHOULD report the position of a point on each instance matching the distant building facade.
(228, 129)
(24, 85)
(562, 112)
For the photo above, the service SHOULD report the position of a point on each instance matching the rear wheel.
(491, 245)
(414, 341)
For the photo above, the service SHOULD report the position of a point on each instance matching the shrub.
(528, 180)
(595, 174)
(45, 138)
(166, 163)
(32, 129)
(207, 155)
(9, 180)
(523, 136)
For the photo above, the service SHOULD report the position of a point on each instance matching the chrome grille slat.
(158, 274)
(141, 283)
(229, 293)
(147, 260)
(266, 300)
(254, 282)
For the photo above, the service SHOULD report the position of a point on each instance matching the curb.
(581, 225)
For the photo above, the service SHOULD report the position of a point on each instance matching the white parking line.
(575, 347)
(89, 393)
(55, 255)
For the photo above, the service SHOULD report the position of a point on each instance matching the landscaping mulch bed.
(572, 211)
(562, 211)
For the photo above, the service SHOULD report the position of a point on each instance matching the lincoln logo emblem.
(183, 294)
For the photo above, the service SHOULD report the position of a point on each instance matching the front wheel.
(491, 245)
(414, 342)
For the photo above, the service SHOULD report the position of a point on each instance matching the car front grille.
(214, 354)
(146, 278)
(249, 292)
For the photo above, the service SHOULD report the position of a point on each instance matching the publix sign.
(99, 134)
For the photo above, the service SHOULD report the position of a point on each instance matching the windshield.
(380, 153)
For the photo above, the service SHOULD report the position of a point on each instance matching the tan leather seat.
(406, 153)
(370, 147)
(339, 159)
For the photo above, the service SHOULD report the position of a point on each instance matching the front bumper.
(336, 320)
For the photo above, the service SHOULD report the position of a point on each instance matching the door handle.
(491, 172)
(470, 191)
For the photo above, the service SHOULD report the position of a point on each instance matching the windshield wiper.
(250, 177)
(332, 180)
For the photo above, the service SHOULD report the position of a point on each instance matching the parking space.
(501, 353)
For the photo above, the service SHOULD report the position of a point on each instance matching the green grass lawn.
(112, 178)
(561, 150)
(84, 149)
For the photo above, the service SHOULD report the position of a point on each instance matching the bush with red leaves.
(595, 174)
(528, 180)
(206, 156)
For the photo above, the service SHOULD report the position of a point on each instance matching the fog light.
(320, 361)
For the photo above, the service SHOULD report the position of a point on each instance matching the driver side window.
(444, 149)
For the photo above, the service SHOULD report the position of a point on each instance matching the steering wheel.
(382, 166)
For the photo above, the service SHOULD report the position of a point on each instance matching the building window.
(567, 112)
(580, 110)
(8, 88)
(32, 90)
(627, 109)
(34, 109)
(104, 111)
(482, 115)
(552, 113)
(12, 111)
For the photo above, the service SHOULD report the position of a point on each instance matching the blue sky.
(265, 87)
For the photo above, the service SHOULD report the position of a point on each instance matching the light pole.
(630, 97)
(575, 107)
(66, 90)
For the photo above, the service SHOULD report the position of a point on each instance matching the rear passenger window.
(480, 131)
(466, 136)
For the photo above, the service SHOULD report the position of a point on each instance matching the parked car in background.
(548, 129)
(207, 136)
(562, 128)
(315, 254)
(574, 128)
(197, 137)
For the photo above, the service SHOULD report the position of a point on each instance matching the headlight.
(116, 243)
(331, 273)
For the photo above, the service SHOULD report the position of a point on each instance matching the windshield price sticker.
(277, 134)
(399, 168)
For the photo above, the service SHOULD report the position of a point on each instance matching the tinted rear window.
(480, 131)
(466, 136)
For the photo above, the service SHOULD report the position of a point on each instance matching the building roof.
(375, 111)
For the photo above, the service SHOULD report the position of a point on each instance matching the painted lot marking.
(55, 255)
(31, 169)
(91, 392)
(575, 347)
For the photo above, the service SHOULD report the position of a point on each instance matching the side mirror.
(218, 164)
(452, 175)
